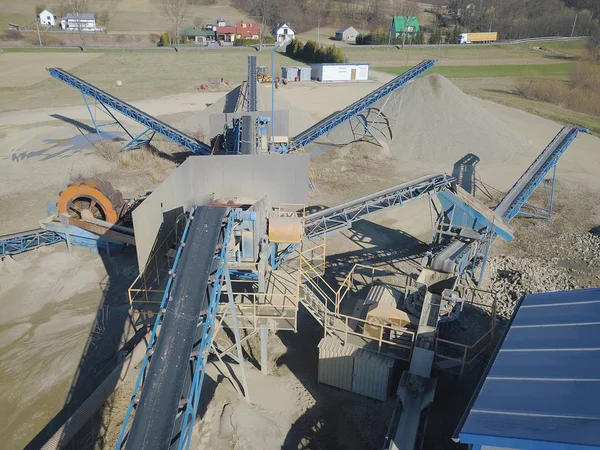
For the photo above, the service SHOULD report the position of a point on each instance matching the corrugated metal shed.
(336, 363)
(372, 374)
(295, 72)
(305, 73)
(354, 369)
(542, 387)
(288, 73)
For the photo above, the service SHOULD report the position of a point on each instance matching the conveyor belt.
(456, 255)
(12, 244)
(158, 126)
(342, 216)
(154, 420)
(330, 122)
(515, 198)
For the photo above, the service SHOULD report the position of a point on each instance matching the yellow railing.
(333, 296)
(464, 350)
(146, 287)
(264, 306)
(405, 334)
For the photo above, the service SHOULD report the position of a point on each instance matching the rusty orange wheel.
(91, 198)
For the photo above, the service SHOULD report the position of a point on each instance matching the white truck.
(477, 38)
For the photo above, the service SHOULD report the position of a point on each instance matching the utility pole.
(37, 25)
(574, 23)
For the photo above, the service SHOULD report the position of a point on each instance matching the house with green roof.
(405, 24)
(199, 35)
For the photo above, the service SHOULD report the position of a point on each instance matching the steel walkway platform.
(323, 127)
(153, 124)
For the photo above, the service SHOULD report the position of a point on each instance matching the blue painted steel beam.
(329, 123)
(341, 217)
(519, 193)
(152, 123)
(12, 244)
(153, 336)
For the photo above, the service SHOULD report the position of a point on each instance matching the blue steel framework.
(515, 199)
(153, 125)
(473, 254)
(192, 398)
(329, 123)
(342, 217)
(12, 244)
(153, 335)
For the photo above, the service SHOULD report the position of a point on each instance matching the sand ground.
(59, 294)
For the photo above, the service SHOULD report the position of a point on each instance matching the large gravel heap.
(575, 264)
(437, 122)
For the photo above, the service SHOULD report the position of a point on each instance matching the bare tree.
(175, 10)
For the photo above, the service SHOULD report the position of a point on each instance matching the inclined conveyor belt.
(155, 415)
(154, 124)
(330, 122)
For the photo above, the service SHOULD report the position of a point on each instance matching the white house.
(282, 31)
(76, 21)
(340, 71)
(47, 18)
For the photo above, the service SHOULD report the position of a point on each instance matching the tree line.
(314, 52)
(512, 19)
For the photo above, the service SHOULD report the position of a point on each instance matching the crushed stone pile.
(437, 122)
(575, 264)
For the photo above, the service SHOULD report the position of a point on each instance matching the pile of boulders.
(581, 247)
(571, 258)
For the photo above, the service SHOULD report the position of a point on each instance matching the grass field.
(145, 74)
(509, 70)
(501, 90)
(470, 55)
(125, 15)
(489, 72)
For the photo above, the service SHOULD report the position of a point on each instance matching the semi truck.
(477, 38)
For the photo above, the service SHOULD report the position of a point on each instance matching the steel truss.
(12, 244)
(342, 217)
(152, 124)
(208, 323)
(515, 199)
(378, 121)
(329, 123)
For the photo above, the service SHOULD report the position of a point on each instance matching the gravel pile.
(575, 260)
(440, 124)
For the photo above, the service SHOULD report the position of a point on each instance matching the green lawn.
(512, 70)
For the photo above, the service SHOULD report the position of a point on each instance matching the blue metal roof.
(542, 386)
